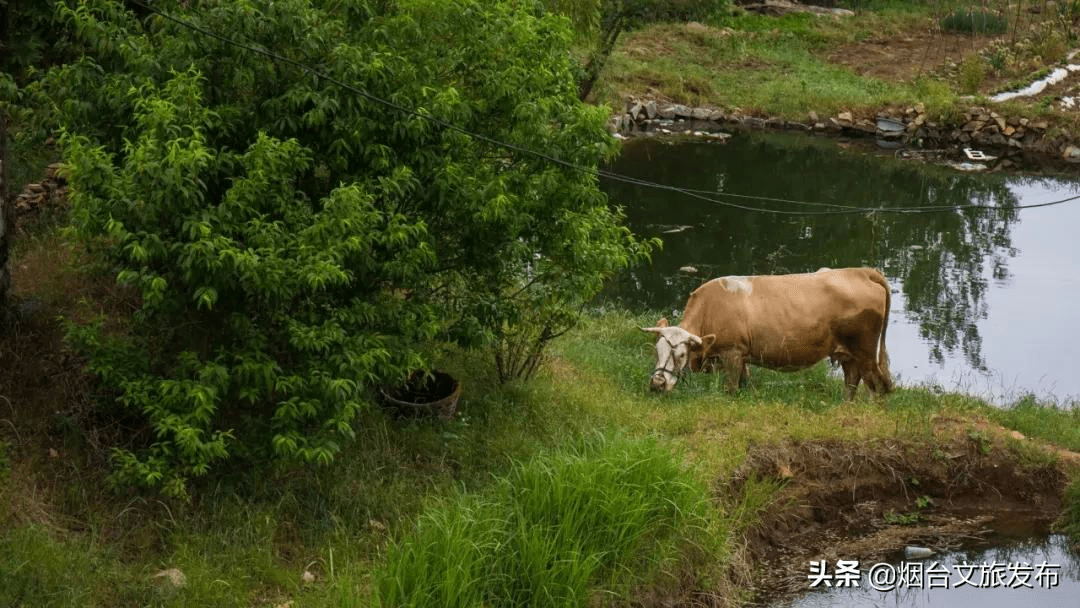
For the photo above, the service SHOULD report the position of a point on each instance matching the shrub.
(297, 242)
(974, 22)
(972, 74)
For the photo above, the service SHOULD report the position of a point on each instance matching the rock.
(174, 577)
(682, 111)
(667, 112)
(813, 116)
(716, 116)
(650, 109)
(635, 110)
(1071, 153)
(917, 552)
(700, 113)
(688, 270)
(307, 577)
(845, 117)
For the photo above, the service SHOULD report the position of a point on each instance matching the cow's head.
(674, 347)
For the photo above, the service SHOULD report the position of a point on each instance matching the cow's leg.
(744, 374)
(851, 378)
(871, 374)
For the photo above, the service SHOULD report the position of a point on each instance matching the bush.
(972, 74)
(297, 243)
(974, 22)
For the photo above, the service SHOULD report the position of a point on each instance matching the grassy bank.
(580, 487)
(889, 54)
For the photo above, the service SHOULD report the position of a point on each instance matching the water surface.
(983, 297)
(1036, 572)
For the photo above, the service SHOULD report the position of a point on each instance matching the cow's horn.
(650, 330)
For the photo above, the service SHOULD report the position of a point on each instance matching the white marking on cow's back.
(736, 284)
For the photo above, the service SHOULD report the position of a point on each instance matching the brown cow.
(784, 322)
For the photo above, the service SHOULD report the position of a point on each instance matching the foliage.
(557, 527)
(1070, 519)
(296, 242)
(972, 74)
(974, 22)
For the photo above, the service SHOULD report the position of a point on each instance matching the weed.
(1070, 519)
(553, 527)
(982, 442)
(901, 519)
(974, 22)
(972, 74)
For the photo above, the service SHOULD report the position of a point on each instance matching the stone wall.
(909, 126)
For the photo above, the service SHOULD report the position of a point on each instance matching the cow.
(784, 322)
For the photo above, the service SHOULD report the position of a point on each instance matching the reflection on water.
(1040, 572)
(944, 264)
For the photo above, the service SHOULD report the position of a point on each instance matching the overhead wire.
(705, 195)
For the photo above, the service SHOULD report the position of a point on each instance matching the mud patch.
(867, 500)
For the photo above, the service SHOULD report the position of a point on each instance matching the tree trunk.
(599, 57)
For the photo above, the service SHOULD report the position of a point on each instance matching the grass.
(578, 487)
(1058, 424)
(595, 520)
(774, 66)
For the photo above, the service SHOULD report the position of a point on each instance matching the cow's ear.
(706, 342)
(662, 322)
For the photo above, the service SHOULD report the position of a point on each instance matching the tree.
(296, 242)
(603, 21)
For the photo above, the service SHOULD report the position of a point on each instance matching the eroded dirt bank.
(867, 500)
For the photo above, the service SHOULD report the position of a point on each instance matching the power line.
(708, 196)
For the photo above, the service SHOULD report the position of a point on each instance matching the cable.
(699, 194)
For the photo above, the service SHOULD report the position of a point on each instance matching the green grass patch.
(1058, 424)
(561, 529)
(774, 66)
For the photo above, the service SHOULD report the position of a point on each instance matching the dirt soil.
(909, 55)
(868, 500)
(906, 56)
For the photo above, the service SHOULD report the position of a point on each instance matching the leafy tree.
(295, 242)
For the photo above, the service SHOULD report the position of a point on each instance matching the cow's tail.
(883, 354)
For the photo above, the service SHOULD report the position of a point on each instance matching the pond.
(984, 290)
(1011, 574)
